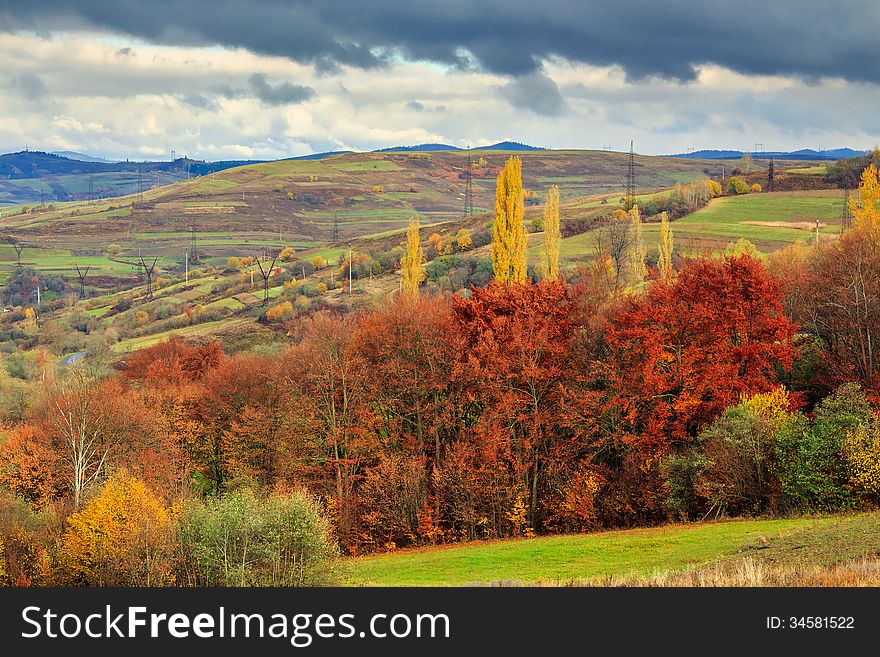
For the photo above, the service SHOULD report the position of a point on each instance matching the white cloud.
(86, 92)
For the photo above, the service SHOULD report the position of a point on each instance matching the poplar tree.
(508, 233)
(411, 270)
(664, 249)
(866, 210)
(637, 249)
(552, 235)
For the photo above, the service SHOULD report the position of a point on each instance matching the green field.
(731, 218)
(583, 557)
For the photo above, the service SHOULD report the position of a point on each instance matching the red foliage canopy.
(683, 351)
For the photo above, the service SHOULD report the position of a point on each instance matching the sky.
(267, 79)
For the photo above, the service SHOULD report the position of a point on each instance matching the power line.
(630, 199)
(468, 191)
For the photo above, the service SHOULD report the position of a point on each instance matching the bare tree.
(615, 239)
(81, 422)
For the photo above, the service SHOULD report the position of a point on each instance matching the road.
(73, 359)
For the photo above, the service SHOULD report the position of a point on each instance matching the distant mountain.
(508, 146)
(803, 154)
(82, 157)
(420, 148)
(318, 156)
(427, 148)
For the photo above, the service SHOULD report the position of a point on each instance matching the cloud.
(29, 85)
(205, 102)
(535, 92)
(283, 93)
(809, 38)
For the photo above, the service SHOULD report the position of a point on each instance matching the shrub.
(756, 188)
(25, 538)
(279, 311)
(737, 185)
(861, 449)
(121, 537)
(809, 461)
(242, 540)
(738, 448)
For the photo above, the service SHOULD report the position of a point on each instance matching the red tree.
(684, 351)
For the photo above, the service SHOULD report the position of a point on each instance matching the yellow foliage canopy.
(121, 537)
(552, 235)
(866, 210)
(411, 270)
(508, 232)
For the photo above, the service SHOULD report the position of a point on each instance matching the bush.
(861, 449)
(756, 188)
(738, 447)
(809, 461)
(737, 185)
(242, 540)
(122, 537)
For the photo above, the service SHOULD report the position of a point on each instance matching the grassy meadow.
(770, 221)
(628, 555)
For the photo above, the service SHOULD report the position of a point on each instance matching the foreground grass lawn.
(560, 559)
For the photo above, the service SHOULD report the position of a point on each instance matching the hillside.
(29, 177)
(366, 192)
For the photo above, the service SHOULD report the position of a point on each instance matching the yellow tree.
(508, 233)
(664, 249)
(637, 247)
(866, 210)
(412, 273)
(552, 235)
(122, 537)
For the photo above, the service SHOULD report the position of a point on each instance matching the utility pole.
(193, 246)
(335, 227)
(267, 273)
(817, 234)
(186, 265)
(82, 280)
(148, 272)
(349, 269)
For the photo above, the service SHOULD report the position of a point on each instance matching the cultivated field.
(770, 221)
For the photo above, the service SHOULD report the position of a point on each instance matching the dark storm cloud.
(29, 86)
(283, 93)
(535, 92)
(810, 38)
